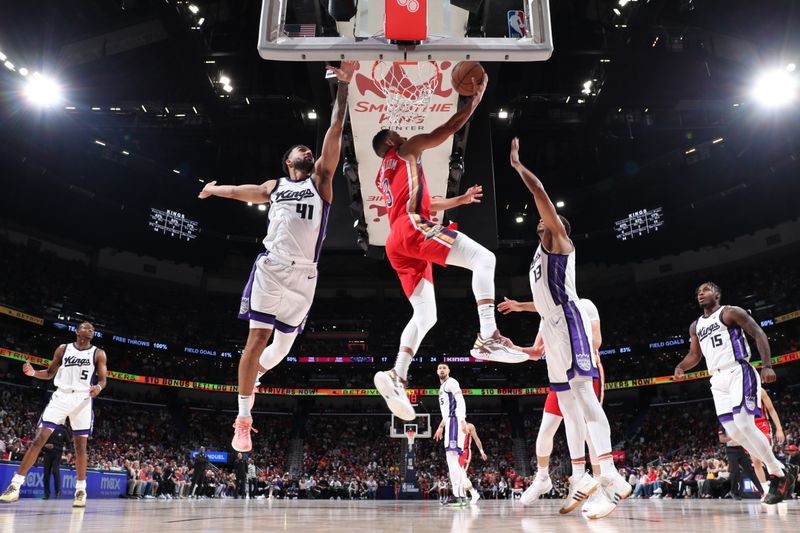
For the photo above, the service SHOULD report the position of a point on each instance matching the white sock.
(578, 470)
(543, 471)
(486, 317)
(18, 480)
(80, 484)
(244, 405)
(607, 467)
(401, 364)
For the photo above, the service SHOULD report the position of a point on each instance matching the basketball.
(463, 74)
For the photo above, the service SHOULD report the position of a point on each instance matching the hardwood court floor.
(158, 516)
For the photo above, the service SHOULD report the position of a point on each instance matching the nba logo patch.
(516, 24)
(584, 361)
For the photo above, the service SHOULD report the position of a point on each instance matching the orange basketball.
(463, 74)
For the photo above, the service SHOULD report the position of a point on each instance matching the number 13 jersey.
(721, 345)
(298, 217)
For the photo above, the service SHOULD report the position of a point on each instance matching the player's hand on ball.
(768, 375)
(473, 195)
(95, 390)
(509, 306)
(480, 87)
(439, 434)
(28, 370)
(206, 192)
(679, 374)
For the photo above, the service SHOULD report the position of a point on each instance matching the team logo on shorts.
(750, 402)
(584, 361)
(244, 307)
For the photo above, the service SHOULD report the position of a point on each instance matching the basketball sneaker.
(496, 349)
(541, 485)
(393, 390)
(80, 498)
(781, 488)
(241, 435)
(613, 489)
(579, 490)
(475, 497)
(11, 494)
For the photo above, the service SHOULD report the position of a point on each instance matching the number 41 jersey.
(298, 217)
(721, 345)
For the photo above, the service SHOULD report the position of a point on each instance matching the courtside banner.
(280, 391)
(98, 484)
(214, 457)
(20, 315)
(368, 114)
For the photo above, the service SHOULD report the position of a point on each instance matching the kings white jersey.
(722, 346)
(593, 314)
(552, 280)
(447, 397)
(298, 217)
(77, 369)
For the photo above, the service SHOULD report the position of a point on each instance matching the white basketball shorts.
(77, 406)
(567, 334)
(735, 389)
(453, 436)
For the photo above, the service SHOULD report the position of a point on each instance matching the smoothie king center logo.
(369, 104)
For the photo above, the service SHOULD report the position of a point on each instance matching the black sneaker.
(780, 488)
(450, 501)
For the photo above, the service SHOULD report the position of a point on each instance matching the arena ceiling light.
(791, 67)
(560, 204)
(224, 80)
(42, 91)
(194, 9)
(519, 219)
(775, 88)
(227, 88)
(502, 114)
(262, 207)
(312, 115)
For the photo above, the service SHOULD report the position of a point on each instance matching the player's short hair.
(567, 225)
(445, 364)
(711, 284)
(379, 140)
(85, 322)
(286, 156)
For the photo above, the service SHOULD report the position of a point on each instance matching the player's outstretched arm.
(328, 161)
(513, 306)
(100, 360)
(474, 432)
(256, 194)
(424, 141)
(50, 371)
(692, 359)
(472, 196)
(737, 316)
(544, 206)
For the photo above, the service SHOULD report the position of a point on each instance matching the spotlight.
(42, 91)
(224, 80)
(23, 71)
(560, 203)
(262, 207)
(623, 3)
(791, 67)
(9, 65)
(249, 204)
(201, 21)
(520, 219)
(194, 9)
(312, 115)
(227, 88)
(176, 171)
(775, 88)
(3, 57)
(617, 12)
(502, 114)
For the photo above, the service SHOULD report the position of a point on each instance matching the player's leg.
(257, 339)
(392, 384)
(466, 253)
(542, 484)
(80, 466)
(277, 350)
(761, 475)
(581, 484)
(456, 476)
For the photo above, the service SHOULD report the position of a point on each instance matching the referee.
(51, 460)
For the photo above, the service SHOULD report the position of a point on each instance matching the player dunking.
(80, 372)
(552, 416)
(453, 431)
(568, 344)
(281, 287)
(415, 243)
(719, 336)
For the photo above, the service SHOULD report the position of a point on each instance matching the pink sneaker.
(241, 436)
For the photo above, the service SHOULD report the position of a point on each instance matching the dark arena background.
(665, 131)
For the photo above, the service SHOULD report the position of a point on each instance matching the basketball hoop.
(407, 87)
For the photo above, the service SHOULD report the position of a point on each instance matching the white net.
(407, 87)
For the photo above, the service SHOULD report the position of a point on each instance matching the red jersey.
(404, 191)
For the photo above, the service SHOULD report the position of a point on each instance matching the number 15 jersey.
(721, 345)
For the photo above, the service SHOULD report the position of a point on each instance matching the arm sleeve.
(461, 405)
(590, 309)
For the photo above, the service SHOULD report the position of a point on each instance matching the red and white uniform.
(763, 424)
(466, 457)
(414, 242)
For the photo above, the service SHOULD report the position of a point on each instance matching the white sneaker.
(764, 486)
(11, 494)
(80, 498)
(393, 390)
(613, 489)
(541, 485)
(475, 497)
(494, 349)
(579, 490)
